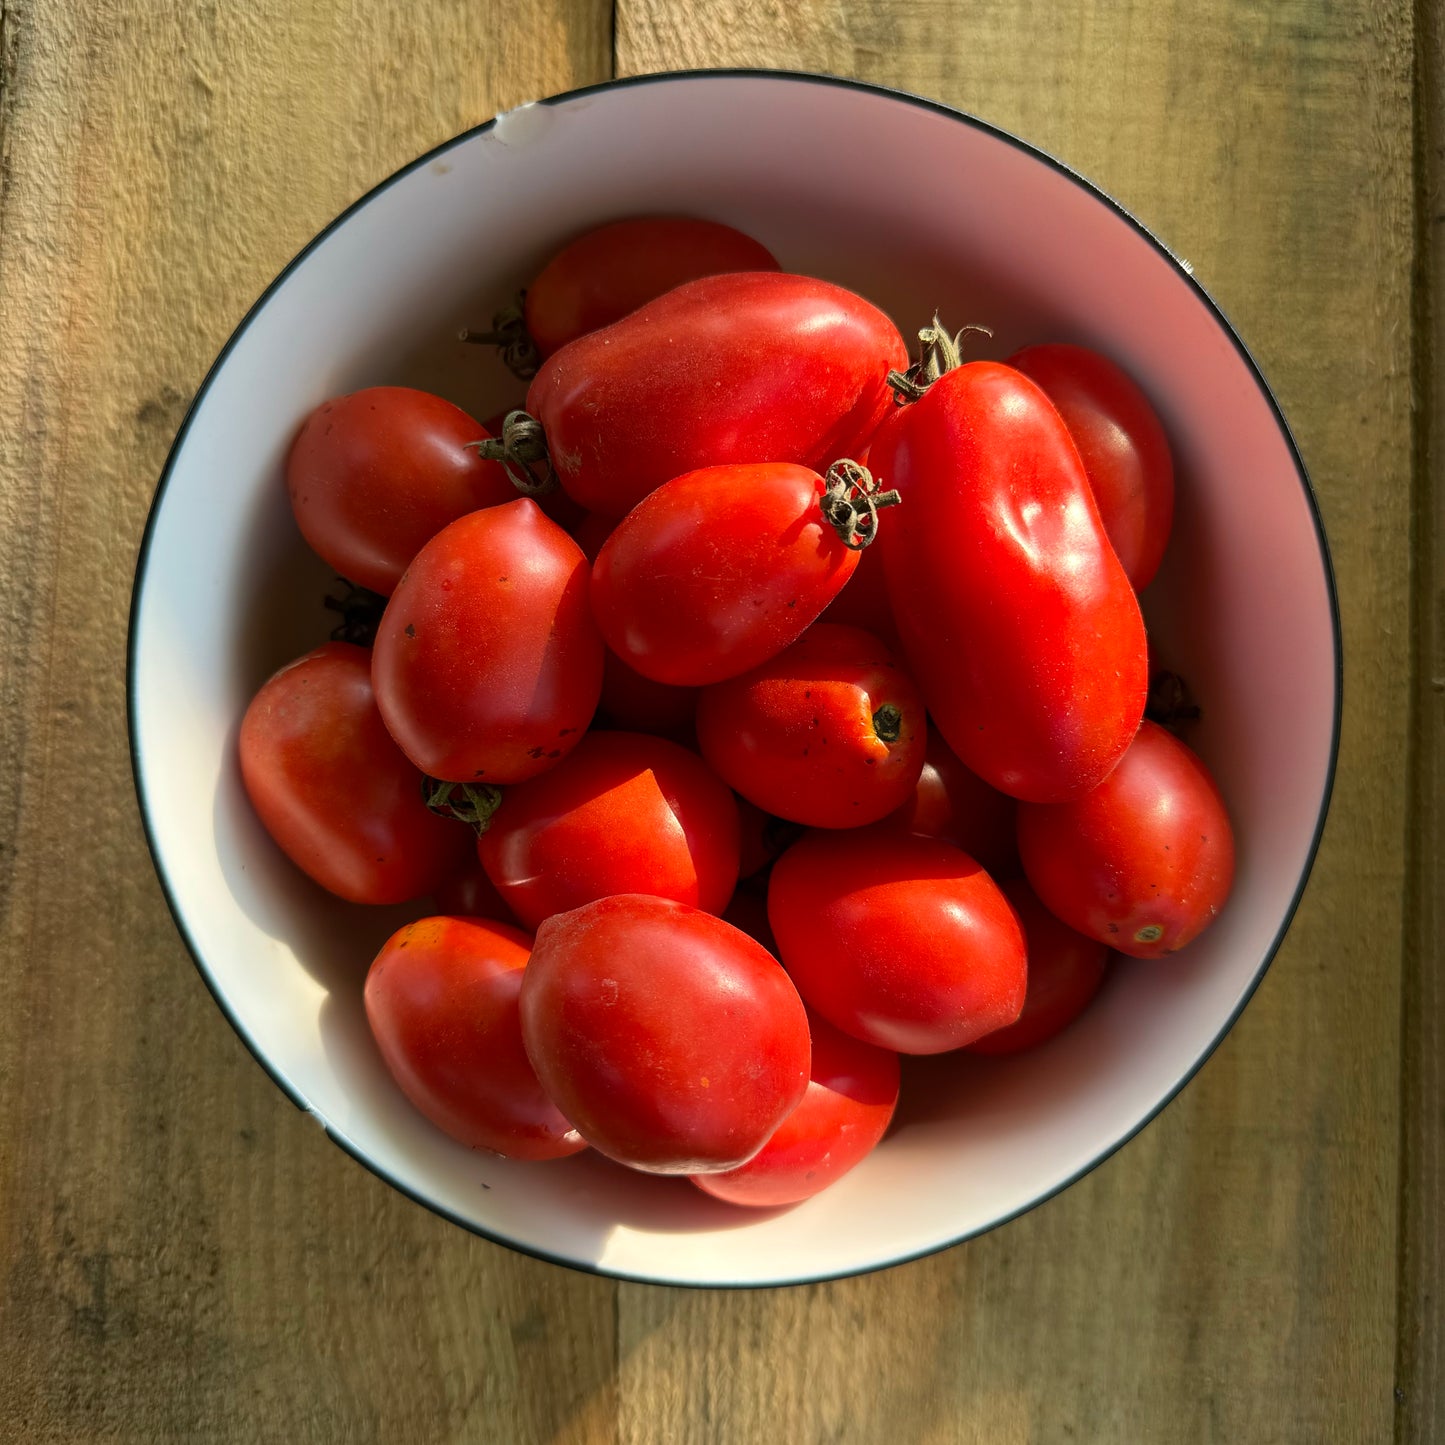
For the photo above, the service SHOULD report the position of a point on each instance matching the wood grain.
(183, 1259)
(1420, 1391)
(1230, 1275)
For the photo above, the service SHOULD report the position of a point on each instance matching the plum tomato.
(1121, 443)
(469, 893)
(1065, 971)
(611, 270)
(487, 664)
(756, 366)
(1017, 620)
(1142, 863)
(719, 570)
(441, 999)
(675, 1043)
(829, 733)
(900, 941)
(953, 803)
(334, 791)
(852, 1092)
(375, 475)
(624, 813)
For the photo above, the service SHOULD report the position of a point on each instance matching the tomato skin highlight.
(755, 366)
(953, 803)
(334, 791)
(900, 941)
(673, 1041)
(441, 999)
(717, 571)
(623, 813)
(608, 272)
(1121, 443)
(1016, 618)
(797, 734)
(374, 475)
(1065, 972)
(1145, 861)
(487, 663)
(852, 1093)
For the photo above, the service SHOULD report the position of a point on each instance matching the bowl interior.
(952, 216)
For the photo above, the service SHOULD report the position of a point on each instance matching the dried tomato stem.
(852, 501)
(522, 450)
(360, 610)
(888, 723)
(470, 803)
(509, 333)
(939, 352)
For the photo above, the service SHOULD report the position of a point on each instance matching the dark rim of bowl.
(784, 77)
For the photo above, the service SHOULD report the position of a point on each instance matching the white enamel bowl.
(952, 215)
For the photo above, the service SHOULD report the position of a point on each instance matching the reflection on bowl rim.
(781, 77)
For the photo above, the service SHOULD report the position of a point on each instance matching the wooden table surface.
(183, 1258)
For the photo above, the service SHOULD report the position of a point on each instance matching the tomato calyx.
(522, 451)
(888, 723)
(939, 351)
(852, 501)
(360, 610)
(469, 803)
(510, 336)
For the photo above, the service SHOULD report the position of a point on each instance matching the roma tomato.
(441, 999)
(375, 475)
(487, 664)
(624, 813)
(1145, 861)
(1016, 618)
(1121, 443)
(864, 601)
(852, 1092)
(334, 790)
(759, 366)
(611, 270)
(902, 942)
(675, 1043)
(953, 803)
(718, 571)
(829, 733)
(471, 894)
(1065, 971)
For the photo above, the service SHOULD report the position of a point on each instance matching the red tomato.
(632, 701)
(763, 838)
(955, 804)
(441, 999)
(471, 894)
(1016, 618)
(375, 475)
(487, 664)
(830, 732)
(625, 813)
(900, 941)
(718, 571)
(1065, 971)
(747, 368)
(852, 1092)
(748, 910)
(591, 532)
(333, 789)
(608, 272)
(1142, 863)
(864, 603)
(1122, 445)
(674, 1042)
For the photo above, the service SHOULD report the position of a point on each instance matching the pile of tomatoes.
(751, 708)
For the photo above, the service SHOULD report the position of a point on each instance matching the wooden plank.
(1231, 1274)
(181, 1257)
(1420, 1392)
